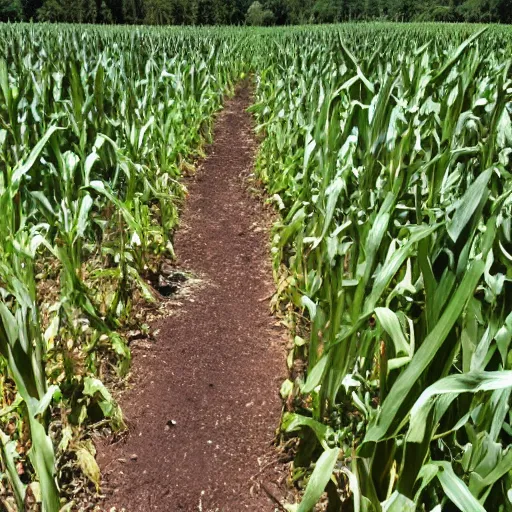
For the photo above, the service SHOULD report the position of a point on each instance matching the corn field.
(96, 127)
(385, 148)
(387, 151)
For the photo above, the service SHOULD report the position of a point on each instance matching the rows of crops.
(387, 150)
(96, 127)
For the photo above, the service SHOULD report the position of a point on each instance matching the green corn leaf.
(390, 323)
(316, 374)
(452, 386)
(468, 204)
(456, 55)
(83, 215)
(401, 397)
(318, 480)
(292, 422)
(23, 169)
(398, 503)
(392, 265)
(9, 457)
(455, 489)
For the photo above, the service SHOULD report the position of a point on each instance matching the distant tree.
(254, 12)
(10, 10)
(373, 9)
(437, 10)
(325, 11)
(355, 9)
(206, 12)
(132, 11)
(30, 8)
(185, 12)
(157, 12)
(70, 11)
(52, 10)
(240, 8)
(105, 14)
(300, 11)
(89, 11)
(402, 10)
(479, 10)
(257, 15)
(280, 9)
(504, 10)
(225, 11)
(116, 8)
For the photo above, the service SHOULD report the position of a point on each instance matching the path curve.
(217, 364)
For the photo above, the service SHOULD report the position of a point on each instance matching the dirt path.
(217, 364)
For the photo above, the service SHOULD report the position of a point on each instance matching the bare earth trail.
(217, 363)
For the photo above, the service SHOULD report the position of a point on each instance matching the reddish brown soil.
(217, 364)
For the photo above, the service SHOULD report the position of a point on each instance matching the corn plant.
(96, 128)
(387, 150)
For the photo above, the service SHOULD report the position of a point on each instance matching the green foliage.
(10, 10)
(387, 150)
(264, 12)
(71, 11)
(157, 12)
(325, 11)
(105, 14)
(256, 15)
(92, 144)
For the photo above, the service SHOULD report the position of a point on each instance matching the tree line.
(259, 12)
